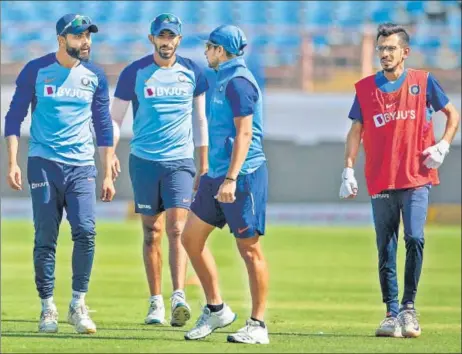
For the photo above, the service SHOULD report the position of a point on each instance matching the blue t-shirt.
(242, 96)
(162, 100)
(436, 98)
(64, 101)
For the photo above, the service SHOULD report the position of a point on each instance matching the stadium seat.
(349, 14)
(125, 24)
(216, 13)
(415, 8)
(250, 13)
(284, 12)
(315, 14)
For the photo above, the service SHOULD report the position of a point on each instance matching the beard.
(213, 64)
(76, 53)
(164, 55)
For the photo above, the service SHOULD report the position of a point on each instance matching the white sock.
(179, 292)
(156, 297)
(48, 303)
(78, 298)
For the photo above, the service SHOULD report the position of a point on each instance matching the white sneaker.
(252, 333)
(48, 321)
(410, 327)
(156, 312)
(210, 321)
(79, 318)
(181, 312)
(389, 327)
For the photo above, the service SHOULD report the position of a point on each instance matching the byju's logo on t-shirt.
(383, 118)
(52, 91)
(159, 91)
(49, 90)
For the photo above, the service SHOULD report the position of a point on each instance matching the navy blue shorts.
(161, 185)
(246, 216)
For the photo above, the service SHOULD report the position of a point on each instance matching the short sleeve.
(125, 89)
(436, 96)
(355, 111)
(242, 96)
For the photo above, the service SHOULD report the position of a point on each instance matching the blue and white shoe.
(78, 317)
(181, 312)
(156, 312)
(251, 333)
(410, 327)
(48, 321)
(210, 321)
(389, 327)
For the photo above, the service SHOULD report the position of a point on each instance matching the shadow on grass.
(155, 328)
(55, 336)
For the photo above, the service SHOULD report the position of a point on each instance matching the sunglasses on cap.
(210, 44)
(168, 18)
(78, 21)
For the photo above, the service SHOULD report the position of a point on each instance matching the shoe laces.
(388, 321)
(82, 311)
(204, 317)
(49, 315)
(409, 317)
(155, 304)
(177, 298)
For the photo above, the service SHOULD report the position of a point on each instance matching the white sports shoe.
(210, 321)
(389, 327)
(410, 327)
(252, 333)
(79, 318)
(156, 312)
(181, 312)
(48, 321)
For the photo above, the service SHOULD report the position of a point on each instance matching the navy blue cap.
(74, 24)
(166, 21)
(232, 38)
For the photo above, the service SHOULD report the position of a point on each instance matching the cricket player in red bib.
(392, 115)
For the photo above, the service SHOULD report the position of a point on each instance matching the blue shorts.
(246, 216)
(161, 185)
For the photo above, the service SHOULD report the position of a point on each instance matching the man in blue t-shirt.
(167, 93)
(234, 191)
(66, 93)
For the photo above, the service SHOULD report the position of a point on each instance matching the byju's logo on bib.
(383, 118)
(158, 91)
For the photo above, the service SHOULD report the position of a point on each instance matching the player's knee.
(175, 229)
(152, 234)
(250, 255)
(414, 239)
(190, 243)
(84, 232)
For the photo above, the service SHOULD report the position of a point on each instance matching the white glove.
(349, 187)
(436, 154)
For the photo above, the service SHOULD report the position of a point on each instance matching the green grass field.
(324, 293)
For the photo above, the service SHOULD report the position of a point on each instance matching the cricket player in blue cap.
(234, 191)
(66, 92)
(167, 92)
